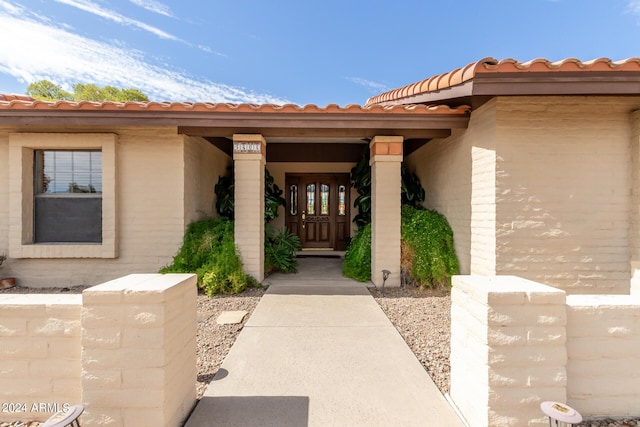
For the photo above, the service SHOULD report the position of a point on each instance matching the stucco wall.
(508, 349)
(4, 192)
(563, 177)
(150, 215)
(516, 343)
(539, 187)
(40, 355)
(125, 349)
(458, 176)
(603, 334)
(635, 203)
(203, 165)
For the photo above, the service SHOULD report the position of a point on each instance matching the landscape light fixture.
(385, 276)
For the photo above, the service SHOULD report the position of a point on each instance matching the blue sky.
(297, 51)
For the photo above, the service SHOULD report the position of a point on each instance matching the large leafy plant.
(280, 251)
(224, 189)
(361, 181)
(225, 202)
(411, 190)
(272, 197)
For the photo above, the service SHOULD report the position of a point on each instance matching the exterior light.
(385, 276)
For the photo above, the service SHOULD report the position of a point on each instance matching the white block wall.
(603, 335)
(125, 349)
(386, 162)
(465, 197)
(139, 350)
(40, 368)
(508, 349)
(634, 238)
(204, 164)
(4, 194)
(563, 185)
(249, 212)
(164, 182)
(516, 343)
(544, 188)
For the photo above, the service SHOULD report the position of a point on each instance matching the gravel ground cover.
(423, 318)
(215, 341)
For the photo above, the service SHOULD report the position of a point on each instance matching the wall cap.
(511, 290)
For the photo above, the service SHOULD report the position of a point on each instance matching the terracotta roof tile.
(14, 97)
(22, 103)
(492, 65)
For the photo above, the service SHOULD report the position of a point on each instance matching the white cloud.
(207, 49)
(44, 51)
(373, 86)
(634, 6)
(11, 8)
(91, 7)
(154, 6)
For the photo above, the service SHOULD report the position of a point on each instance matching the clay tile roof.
(13, 97)
(24, 103)
(491, 65)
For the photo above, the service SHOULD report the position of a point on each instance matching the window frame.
(22, 147)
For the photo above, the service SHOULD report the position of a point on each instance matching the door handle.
(304, 217)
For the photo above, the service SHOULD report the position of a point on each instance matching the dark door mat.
(319, 256)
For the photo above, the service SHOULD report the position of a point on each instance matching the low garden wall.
(516, 343)
(40, 355)
(125, 349)
(603, 334)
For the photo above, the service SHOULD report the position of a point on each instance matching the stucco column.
(249, 154)
(386, 161)
(634, 238)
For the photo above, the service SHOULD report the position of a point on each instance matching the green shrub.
(429, 257)
(218, 281)
(280, 251)
(357, 258)
(208, 249)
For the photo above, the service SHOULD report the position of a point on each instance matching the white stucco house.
(535, 165)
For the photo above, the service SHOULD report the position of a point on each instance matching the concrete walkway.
(319, 351)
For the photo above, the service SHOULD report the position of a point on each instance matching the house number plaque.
(247, 147)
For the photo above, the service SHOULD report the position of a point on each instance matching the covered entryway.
(293, 140)
(317, 209)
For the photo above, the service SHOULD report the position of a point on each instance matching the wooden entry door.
(318, 209)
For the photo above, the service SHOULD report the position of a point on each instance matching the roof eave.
(452, 96)
(555, 83)
(409, 125)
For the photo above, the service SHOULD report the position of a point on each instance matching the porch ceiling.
(314, 149)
